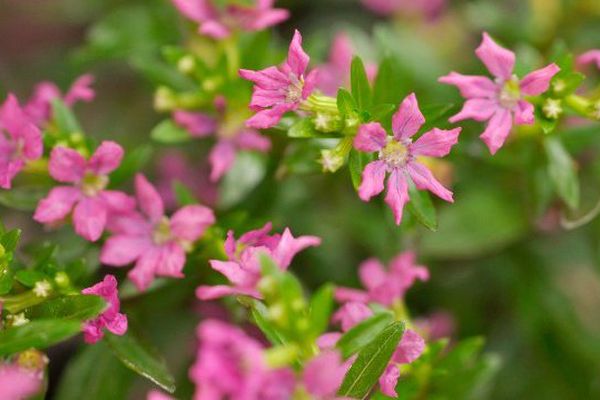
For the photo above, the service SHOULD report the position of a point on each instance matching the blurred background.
(502, 266)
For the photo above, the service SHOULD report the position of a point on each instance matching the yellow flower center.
(395, 153)
(294, 90)
(510, 93)
(162, 232)
(92, 184)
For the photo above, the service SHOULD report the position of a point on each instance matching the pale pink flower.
(323, 375)
(501, 101)
(88, 197)
(429, 8)
(398, 156)
(242, 267)
(278, 90)
(230, 365)
(18, 383)
(20, 141)
(437, 325)
(336, 72)
(589, 57)
(231, 136)
(350, 314)
(158, 395)
(410, 348)
(219, 22)
(39, 106)
(157, 244)
(385, 286)
(111, 319)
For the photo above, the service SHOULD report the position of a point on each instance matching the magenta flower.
(154, 242)
(88, 197)
(39, 106)
(20, 141)
(323, 375)
(231, 137)
(219, 22)
(383, 286)
(589, 57)
(398, 156)
(243, 265)
(158, 395)
(278, 90)
(111, 319)
(230, 365)
(501, 102)
(336, 72)
(409, 349)
(350, 314)
(428, 8)
(17, 383)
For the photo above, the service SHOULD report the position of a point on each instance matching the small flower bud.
(280, 356)
(76, 138)
(164, 99)
(277, 313)
(267, 286)
(186, 64)
(326, 122)
(558, 85)
(62, 280)
(552, 108)
(331, 160)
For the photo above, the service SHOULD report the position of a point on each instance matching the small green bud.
(62, 280)
(164, 99)
(186, 64)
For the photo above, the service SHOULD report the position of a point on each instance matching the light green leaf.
(561, 169)
(38, 334)
(168, 132)
(65, 120)
(421, 207)
(321, 305)
(77, 307)
(303, 128)
(362, 333)
(361, 89)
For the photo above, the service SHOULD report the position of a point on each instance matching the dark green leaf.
(38, 334)
(562, 172)
(388, 86)
(24, 198)
(10, 239)
(361, 90)
(362, 333)
(142, 359)
(320, 309)
(168, 132)
(421, 207)
(371, 362)
(29, 277)
(65, 120)
(77, 307)
(382, 112)
(183, 194)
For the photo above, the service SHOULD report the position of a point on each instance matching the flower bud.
(552, 108)
(186, 64)
(164, 99)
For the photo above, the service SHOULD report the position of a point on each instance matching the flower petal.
(233, 272)
(538, 81)
(408, 119)
(221, 159)
(250, 139)
(66, 165)
(397, 193)
(57, 205)
(323, 374)
(214, 29)
(117, 201)
(372, 180)
(118, 324)
(498, 60)
(121, 250)
(172, 260)
(370, 137)
(372, 273)
(81, 90)
(143, 273)
(297, 59)
(289, 246)
(148, 199)
(195, 10)
(218, 291)
(190, 222)
(436, 142)
(589, 57)
(497, 130)
(424, 180)
(106, 158)
(344, 295)
(389, 380)
(89, 218)
(197, 124)
(524, 113)
(471, 86)
(477, 109)
(410, 348)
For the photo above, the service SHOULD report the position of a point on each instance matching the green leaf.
(10, 239)
(141, 359)
(248, 171)
(94, 374)
(24, 198)
(168, 132)
(6, 280)
(359, 83)
(261, 318)
(345, 103)
(421, 207)
(133, 162)
(371, 362)
(362, 333)
(382, 112)
(29, 277)
(436, 115)
(38, 334)
(303, 128)
(65, 120)
(183, 194)
(77, 307)
(321, 305)
(357, 160)
(561, 169)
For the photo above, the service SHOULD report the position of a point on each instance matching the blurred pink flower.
(219, 22)
(173, 166)
(323, 375)
(111, 319)
(20, 141)
(350, 314)
(231, 137)
(88, 197)
(409, 349)
(437, 325)
(429, 8)
(18, 383)
(589, 57)
(336, 72)
(156, 243)
(501, 102)
(398, 156)
(278, 90)
(39, 106)
(230, 365)
(243, 265)
(158, 395)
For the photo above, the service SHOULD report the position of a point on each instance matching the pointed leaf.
(362, 333)
(361, 89)
(38, 334)
(561, 169)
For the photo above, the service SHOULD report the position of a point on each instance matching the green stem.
(230, 47)
(579, 104)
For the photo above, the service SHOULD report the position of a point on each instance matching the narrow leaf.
(78, 307)
(169, 133)
(362, 333)
(561, 169)
(320, 309)
(38, 334)
(421, 207)
(359, 82)
(65, 120)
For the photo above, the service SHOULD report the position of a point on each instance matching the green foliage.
(363, 333)
(38, 334)
(361, 89)
(168, 132)
(561, 169)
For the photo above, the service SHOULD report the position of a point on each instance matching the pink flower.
(323, 375)
(17, 383)
(243, 265)
(111, 319)
(398, 156)
(158, 395)
(278, 90)
(219, 22)
(88, 197)
(20, 141)
(410, 348)
(336, 72)
(501, 102)
(229, 365)
(154, 242)
(429, 8)
(589, 57)
(231, 137)
(39, 106)
(385, 287)
(351, 314)
(437, 325)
